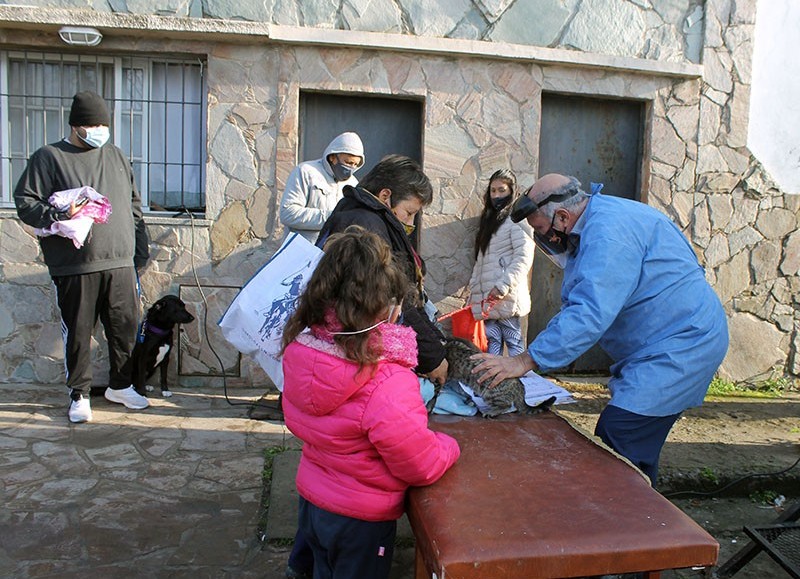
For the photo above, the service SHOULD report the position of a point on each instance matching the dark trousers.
(301, 559)
(636, 437)
(347, 548)
(112, 297)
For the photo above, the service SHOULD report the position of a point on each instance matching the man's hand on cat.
(498, 368)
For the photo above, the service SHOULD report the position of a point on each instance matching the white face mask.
(95, 137)
(394, 314)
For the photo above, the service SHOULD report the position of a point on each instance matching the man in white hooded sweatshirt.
(314, 187)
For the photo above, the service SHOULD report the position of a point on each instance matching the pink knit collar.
(399, 343)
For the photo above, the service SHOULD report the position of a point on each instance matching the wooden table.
(530, 497)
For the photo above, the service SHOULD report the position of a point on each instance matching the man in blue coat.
(632, 283)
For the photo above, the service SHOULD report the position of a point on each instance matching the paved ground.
(175, 490)
(171, 491)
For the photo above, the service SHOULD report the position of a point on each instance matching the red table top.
(532, 497)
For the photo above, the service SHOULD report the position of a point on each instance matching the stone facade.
(480, 68)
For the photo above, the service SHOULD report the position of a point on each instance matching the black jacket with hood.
(359, 207)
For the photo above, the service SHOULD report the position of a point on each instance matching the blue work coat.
(634, 286)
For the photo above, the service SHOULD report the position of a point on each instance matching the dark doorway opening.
(596, 140)
(386, 125)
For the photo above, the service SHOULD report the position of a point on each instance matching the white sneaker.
(127, 396)
(80, 410)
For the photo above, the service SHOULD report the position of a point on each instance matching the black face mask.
(555, 244)
(341, 172)
(500, 203)
(557, 238)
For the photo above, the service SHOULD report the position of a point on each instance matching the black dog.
(154, 342)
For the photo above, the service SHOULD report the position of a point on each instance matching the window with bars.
(157, 109)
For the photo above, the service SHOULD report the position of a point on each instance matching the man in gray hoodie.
(98, 280)
(314, 187)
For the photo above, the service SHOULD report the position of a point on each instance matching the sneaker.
(127, 396)
(79, 409)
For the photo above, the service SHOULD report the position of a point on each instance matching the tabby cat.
(501, 398)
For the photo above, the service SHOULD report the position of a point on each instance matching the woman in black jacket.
(385, 202)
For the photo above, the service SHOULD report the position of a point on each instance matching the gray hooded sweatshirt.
(312, 192)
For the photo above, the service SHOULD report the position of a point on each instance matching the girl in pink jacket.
(350, 395)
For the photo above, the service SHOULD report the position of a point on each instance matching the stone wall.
(482, 110)
(744, 226)
(652, 29)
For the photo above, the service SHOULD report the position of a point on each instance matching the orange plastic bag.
(465, 326)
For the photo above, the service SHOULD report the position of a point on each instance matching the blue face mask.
(95, 137)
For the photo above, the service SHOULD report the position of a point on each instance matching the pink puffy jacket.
(366, 435)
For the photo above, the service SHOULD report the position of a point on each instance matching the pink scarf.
(398, 343)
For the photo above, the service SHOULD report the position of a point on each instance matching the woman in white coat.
(499, 287)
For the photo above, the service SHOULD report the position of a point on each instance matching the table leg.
(419, 566)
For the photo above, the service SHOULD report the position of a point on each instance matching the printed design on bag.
(276, 314)
(255, 319)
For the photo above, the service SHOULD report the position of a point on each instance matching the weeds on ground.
(266, 480)
(772, 388)
(719, 387)
(765, 497)
(709, 475)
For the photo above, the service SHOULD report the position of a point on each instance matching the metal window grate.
(158, 117)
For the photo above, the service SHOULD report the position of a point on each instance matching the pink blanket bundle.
(92, 208)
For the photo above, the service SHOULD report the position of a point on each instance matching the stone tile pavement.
(170, 491)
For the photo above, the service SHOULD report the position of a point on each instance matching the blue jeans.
(506, 331)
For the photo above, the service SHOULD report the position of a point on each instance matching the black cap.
(88, 110)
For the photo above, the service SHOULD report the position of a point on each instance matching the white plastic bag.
(254, 321)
